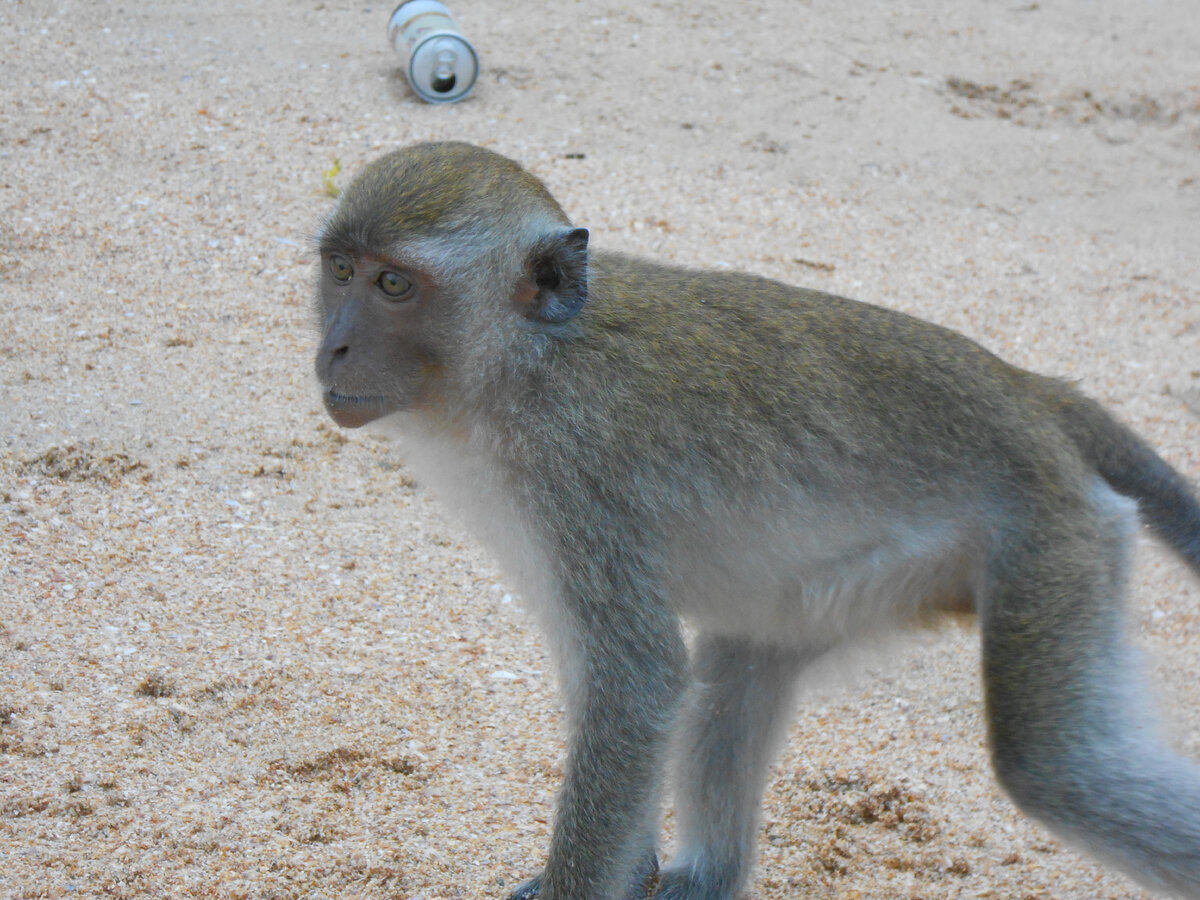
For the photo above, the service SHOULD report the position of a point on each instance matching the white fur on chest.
(470, 488)
(762, 571)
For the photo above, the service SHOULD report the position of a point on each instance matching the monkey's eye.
(395, 285)
(340, 268)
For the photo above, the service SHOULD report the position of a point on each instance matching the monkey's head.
(440, 260)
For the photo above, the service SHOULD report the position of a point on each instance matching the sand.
(242, 653)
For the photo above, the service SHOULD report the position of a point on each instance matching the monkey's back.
(741, 369)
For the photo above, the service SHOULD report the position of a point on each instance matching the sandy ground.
(242, 655)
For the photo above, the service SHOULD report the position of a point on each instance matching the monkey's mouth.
(354, 412)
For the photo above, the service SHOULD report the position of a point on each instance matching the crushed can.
(440, 64)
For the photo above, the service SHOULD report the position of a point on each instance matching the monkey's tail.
(1166, 501)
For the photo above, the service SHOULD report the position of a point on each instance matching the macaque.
(781, 469)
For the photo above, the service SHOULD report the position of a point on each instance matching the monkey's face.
(442, 265)
(372, 360)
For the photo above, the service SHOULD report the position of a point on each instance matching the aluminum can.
(440, 63)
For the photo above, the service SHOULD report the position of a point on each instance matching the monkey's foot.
(529, 890)
(642, 885)
(695, 884)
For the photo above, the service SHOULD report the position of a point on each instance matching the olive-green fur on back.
(671, 361)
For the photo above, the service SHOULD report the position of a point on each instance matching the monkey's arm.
(625, 669)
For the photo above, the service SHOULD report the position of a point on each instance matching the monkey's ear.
(555, 287)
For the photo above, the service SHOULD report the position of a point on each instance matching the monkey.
(706, 482)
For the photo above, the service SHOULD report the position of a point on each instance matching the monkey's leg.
(1072, 739)
(730, 732)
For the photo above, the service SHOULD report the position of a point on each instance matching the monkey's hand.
(642, 885)
(529, 890)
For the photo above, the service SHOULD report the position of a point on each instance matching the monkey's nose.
(330, 358)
